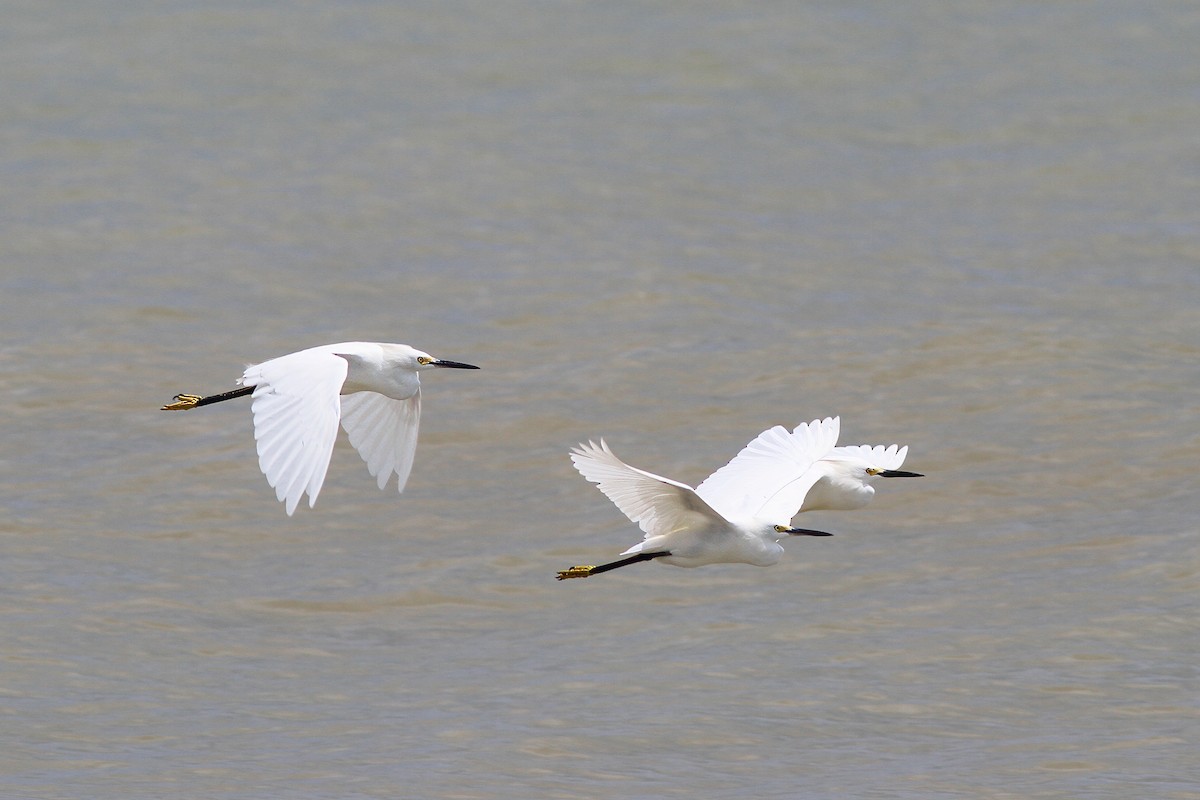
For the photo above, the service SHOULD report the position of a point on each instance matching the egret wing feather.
(890, 457)
(658, 505)
(384, 432)
(769, 478)
(296, 411)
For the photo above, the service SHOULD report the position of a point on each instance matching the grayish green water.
(969, 228)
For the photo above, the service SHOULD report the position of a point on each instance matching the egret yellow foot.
(183, 402)
(576, 572)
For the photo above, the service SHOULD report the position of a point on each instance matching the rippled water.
(968, 228)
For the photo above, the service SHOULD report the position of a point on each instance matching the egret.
(373, 389)
(839, 480)
(845, 476)
(741, 520)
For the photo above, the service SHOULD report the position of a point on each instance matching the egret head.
(784, 531)
(424, 361)
(876, 472)
(858, 471)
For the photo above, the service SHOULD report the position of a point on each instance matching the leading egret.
(741, 520)
(372, 388)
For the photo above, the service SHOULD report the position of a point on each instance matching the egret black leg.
(183, 402)
(585, 570)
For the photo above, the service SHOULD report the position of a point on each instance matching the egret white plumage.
(373, 389)
(838, 480)
(740, 513)
(845, 476)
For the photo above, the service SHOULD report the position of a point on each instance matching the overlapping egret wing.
(769, 478)
(296, 410)
(658, 505)
(890, 457)
(384, 432)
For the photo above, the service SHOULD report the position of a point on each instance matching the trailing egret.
(373, 389)
(742, 518)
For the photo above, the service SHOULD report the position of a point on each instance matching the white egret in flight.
(838, 480)
(372, 389)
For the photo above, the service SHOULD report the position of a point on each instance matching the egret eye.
(781, 529)
(873, 471)
(423, 360)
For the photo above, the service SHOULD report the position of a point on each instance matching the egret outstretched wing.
(296, 410)
(770, 476)
(384, 432)
(658, 505)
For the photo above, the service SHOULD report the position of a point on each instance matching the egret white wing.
(878, 456)
(658, 505)
(384, 432)
(770, 476)
(296, 410)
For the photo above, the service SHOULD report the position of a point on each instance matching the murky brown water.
(969, 229)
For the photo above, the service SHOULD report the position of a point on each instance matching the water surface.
(968, 228)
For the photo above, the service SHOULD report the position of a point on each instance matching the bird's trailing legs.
(185, 401)
(585, 570)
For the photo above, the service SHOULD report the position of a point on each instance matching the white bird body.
(740, 513)
(731, 543)
(371, 389)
